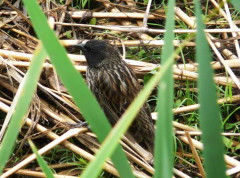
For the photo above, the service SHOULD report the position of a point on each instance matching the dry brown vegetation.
(52, 113)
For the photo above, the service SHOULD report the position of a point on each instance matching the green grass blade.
(120, 128)
(23, 98)
(209, 111)
(163, 157)
(75, 84)
(236, 4)
(41, 162)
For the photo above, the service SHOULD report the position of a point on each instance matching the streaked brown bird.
(115, 86)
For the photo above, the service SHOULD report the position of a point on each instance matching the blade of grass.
(23, 98)
(236, 4)
(127, 118)
(75, 84)
(41, 162)
(163, 157)
(209, 111)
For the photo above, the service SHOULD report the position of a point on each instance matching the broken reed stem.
(60, 165)
(67, 144)
(65, 119)
(145, 66)
(180, 74)
(133, 43)
(185, 18)
(24, 34)
(227, 68)
(195, 155)
(32, 173)
(182, 126)
(144, 29)
(153, 44)
(60, 119)
(229, 160)
(232, 26)
(193, 107)
(224, 14)
(130, 15)
(196, 133)
(134, 64)
(146, 16)
(46, 148)
(125, 22)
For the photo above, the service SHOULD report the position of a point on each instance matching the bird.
(115, 86)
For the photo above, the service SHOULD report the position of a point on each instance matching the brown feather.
(115, 86)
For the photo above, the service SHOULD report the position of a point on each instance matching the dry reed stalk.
(24, 34)
(131, 15)
(65, 119)
(47, 90)
(5, 101)
(184, 17)
(71, 172)
(53, 114)
(229, 160)
(221, 11)
(138, 66)
(27, 57)
(145, 66)
(46, 148)
(58, 30)
(142, 66)
(144, 22)
(126, 22)
(32, 173)
(19, 12)
(233, 170)
(147, 30)
(115, 10)
(195, 133)
(53, 136)
(134, 43)
(183, 126)
(59, 166)
(180, 173)
(222, 22)
(227, 68)
(8, 21)
(146, 16)
(180, 156)
(188, 155)
(193, 107)
(232, 26)
(226, 52)
(66, 144)
(233, 63)
(51, 21)
(195, 155)
(8, 13)
(193, 75)
(60, 118)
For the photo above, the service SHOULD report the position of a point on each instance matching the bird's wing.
(106, 106)
(119, 86)
(115, 88)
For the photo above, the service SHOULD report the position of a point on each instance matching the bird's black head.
(99, 52)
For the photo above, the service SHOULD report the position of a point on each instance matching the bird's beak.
(79, 45)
